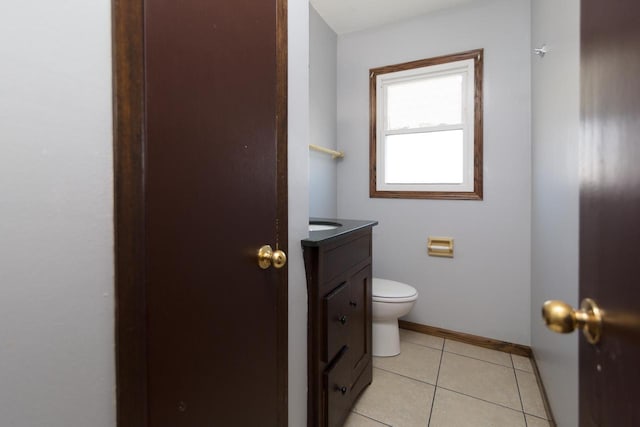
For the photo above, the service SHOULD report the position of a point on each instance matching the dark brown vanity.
(338, 269)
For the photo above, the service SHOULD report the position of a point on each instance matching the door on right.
(609, 353)
(610, 209)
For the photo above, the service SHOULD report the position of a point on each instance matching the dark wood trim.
(373, 124)
(478, 127)
(444, 59)
(493, 344)
(129, 221)
(434, 195)
(543, 392)
(282, 225)
(477, 194)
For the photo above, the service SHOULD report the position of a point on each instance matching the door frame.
(129, 145)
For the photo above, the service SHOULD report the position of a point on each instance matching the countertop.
(347, 226)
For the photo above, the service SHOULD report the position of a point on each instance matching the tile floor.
(438, 382)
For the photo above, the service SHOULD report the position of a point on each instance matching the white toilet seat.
(390, 291)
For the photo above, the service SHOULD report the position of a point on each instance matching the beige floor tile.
(536, 422)
(422, 339)
(522, 363)
(414, 361)
(396, 400)
(452, 409)
(488, 355)
(530, 394)
(357, 420)
(484, 380)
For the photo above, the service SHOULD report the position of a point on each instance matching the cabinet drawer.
(338, 259)
(337, 389)
(336, 321)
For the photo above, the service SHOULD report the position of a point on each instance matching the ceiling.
(346, 16)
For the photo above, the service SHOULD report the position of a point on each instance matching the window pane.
(424, 158)
(423, 103)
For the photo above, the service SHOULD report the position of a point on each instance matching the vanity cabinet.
(338, 269)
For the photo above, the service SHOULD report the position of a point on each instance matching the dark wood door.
(610, 209)
(201, 185)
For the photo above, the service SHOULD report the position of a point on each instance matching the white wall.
(485, 289)
(56, 203)
(323, 45)
(298, 174)
(555, 198)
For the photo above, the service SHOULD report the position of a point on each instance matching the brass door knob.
(562, 318)
(268, 257)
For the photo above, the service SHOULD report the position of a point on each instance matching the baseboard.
(507, 347)
(545, 399)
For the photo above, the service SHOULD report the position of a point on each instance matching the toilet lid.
(383, 288)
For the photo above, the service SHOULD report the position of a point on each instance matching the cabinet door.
(360, 321)
(337, 321)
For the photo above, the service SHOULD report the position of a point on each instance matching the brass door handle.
(562, 318)
(268, 257)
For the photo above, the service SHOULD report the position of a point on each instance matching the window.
(426, 128)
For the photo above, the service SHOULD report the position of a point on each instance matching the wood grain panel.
(129, 221)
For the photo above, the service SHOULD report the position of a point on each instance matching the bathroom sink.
(323, 225)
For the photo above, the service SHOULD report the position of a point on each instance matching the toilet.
(391, 300)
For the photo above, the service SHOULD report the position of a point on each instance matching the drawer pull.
(353, 303)
(343, 320)
(342, 389)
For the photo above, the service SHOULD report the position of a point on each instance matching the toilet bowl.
(391, 300)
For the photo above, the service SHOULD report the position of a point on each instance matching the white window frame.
(382, 78)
